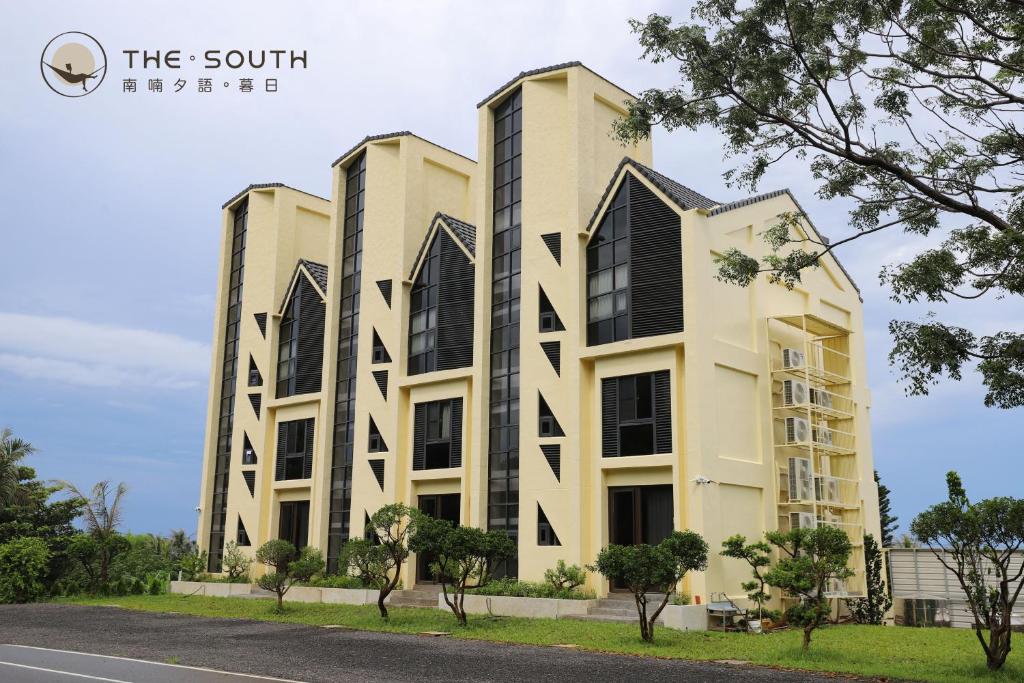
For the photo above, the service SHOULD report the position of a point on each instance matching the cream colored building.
(533, 341)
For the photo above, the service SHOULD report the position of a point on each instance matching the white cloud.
(83, 353)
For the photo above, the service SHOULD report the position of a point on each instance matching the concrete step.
(622, 619)
(612, 612)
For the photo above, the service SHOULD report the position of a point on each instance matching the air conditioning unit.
(794, 393)
(793, 358)
(826, 489)
(802, 520)
(799, 479)
(820, 397)
(798, 430)
(835, 587)
(823, 436)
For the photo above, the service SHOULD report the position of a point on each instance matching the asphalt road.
(143, 647)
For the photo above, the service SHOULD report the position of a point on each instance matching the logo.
(73, 64)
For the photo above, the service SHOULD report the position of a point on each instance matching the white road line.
(146, 661)
(64, 673)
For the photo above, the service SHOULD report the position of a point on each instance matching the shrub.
(565, 577)
(530, 589)
(193, 564)
(236, 564)
(334, 581)
(156, 586)
(23, 565)
(682, 599)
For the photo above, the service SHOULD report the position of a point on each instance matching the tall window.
(503, 443)
(345, 386)
(608, 275)
(635, 268)
(636, 414)
(294, 450)
(300, 351)
(229, 375)
(423, 313)
(437, 435)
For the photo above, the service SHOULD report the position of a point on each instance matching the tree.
(910, 109)
(758, 556)
(35, 515)
(236, 564)
(872, 608)
(889, 522)
(287, 567)
(23, 564)
(811, 560)
(977, 542)
(12, 451)
(647, 568)
(379, 563)
(463, 554)
(102, 518)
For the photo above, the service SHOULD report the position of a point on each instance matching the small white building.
(926, 593)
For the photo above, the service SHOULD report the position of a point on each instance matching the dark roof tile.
(544, 70)
(265, 186)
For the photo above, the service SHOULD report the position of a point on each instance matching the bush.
(156, 586)
(565, 577)
(236, 564)
(23, 565)
(334, 581)
(530, 589)
(192, 565)
(682, 599)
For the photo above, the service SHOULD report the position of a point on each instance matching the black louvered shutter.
(553, 350)
(656, 270)
(553, 454)
(282, 448)
(662, 412)
(454, 307)
(307, 458)
(610, 417)
(310, 357)
(419, 437)
(385, 290)
(554, 242)
(456, 459)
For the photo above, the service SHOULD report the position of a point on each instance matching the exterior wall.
(721, 365)
(284, 225)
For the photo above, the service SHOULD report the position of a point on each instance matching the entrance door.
(639, 514)
(294, 526)
(443, 506)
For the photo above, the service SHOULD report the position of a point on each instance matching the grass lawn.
(934, 654)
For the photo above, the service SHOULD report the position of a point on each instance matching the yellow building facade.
(534, 341)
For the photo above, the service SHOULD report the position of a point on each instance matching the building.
(534, 341)
(926, 593)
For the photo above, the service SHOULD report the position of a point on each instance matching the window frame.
(292, 434)
(423, 300)
(438, 413)
(616, 221)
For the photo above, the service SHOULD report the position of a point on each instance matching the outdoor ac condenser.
(798, 430)
(794, 392)
(802, 520)
(799, 479)
(793, 358)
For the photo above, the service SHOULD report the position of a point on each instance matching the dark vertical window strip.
(348, 336)
(503, 438)
(300, 356)
(225, 424)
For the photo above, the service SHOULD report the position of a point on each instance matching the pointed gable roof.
(464, 234)
(682, 196)
(315, 272)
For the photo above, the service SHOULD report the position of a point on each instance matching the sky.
(110, 218)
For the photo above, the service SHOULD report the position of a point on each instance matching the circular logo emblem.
(73, 64)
